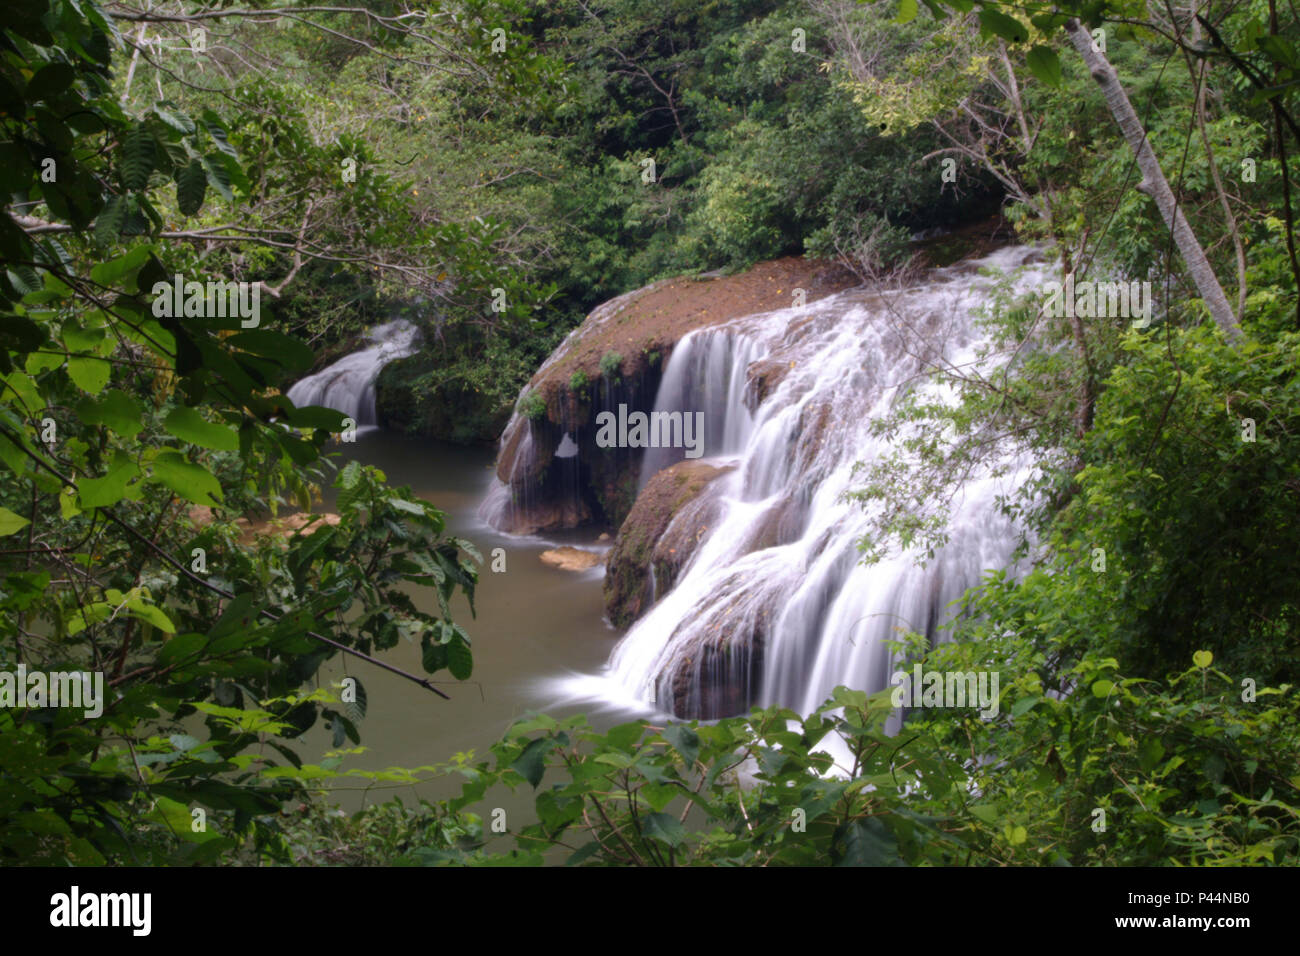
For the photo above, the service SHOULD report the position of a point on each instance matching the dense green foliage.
(131, 438)
(491, 169)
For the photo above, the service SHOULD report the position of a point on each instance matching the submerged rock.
(571, 559)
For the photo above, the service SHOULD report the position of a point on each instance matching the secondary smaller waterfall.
(348, 386)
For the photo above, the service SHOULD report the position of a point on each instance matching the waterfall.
(348, 386)
(707, 373)
(782, 617)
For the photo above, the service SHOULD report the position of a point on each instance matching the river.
(537, 627)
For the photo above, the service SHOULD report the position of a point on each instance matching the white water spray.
(348, 386)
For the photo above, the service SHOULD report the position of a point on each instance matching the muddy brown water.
(536, 625)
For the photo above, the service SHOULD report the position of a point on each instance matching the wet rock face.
(720, 676)
(554, 473)
(723, 683)
(658, 538)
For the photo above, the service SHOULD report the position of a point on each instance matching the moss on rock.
(661, 531)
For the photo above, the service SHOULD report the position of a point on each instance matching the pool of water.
(537, 629)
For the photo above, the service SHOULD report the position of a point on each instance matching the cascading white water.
(348, 386)
(805, 606)
(706, 373)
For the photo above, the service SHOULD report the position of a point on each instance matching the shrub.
(610, 365)
(532, 406)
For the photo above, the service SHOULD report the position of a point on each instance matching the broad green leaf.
(110, 272)
(189, 425)
(625, 736)
(1203, 659)
(531, 764)
(664, 828)
(218, 177)
(151, 613)
(286, 350)
(87, 615)
(186, 479)
(684, 740)
(907, 10)
(49, 81)
(212, 123)
(460, 660)
(349, 476)
(10, 522)
(868, 843)
(1045, 64)
(137, 157)
(177, 121)
(994, 23)
(110, 489)
(110, 221)
(191, 188)
(115, 410)
(90, 374)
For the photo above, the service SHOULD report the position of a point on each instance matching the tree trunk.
(1153, 181)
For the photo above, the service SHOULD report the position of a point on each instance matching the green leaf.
(1202, 659)
(180, 647)
(286, 350)
(868, 843)
(20, 334)
(189, 425)
(625, 736)
(999, 24)
(110, 221)
(90, 374)
(1102, 688)
(583, 853)
(151, 614)
(531, 764)
(10, 522)
(907, 10)
(212, 123)
(434, 656)
(349, 476)
(218, 177)
(191, 188)
(1024, 705)
(110, 272)
(115, 410)
(49, 81)
(110, 489)
(357, 708)
(460, 660)
(187, 480)
(1045, 65)
(664, 828)
(684, 740)
(137, 157)
(177, 121)
(314, 416)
